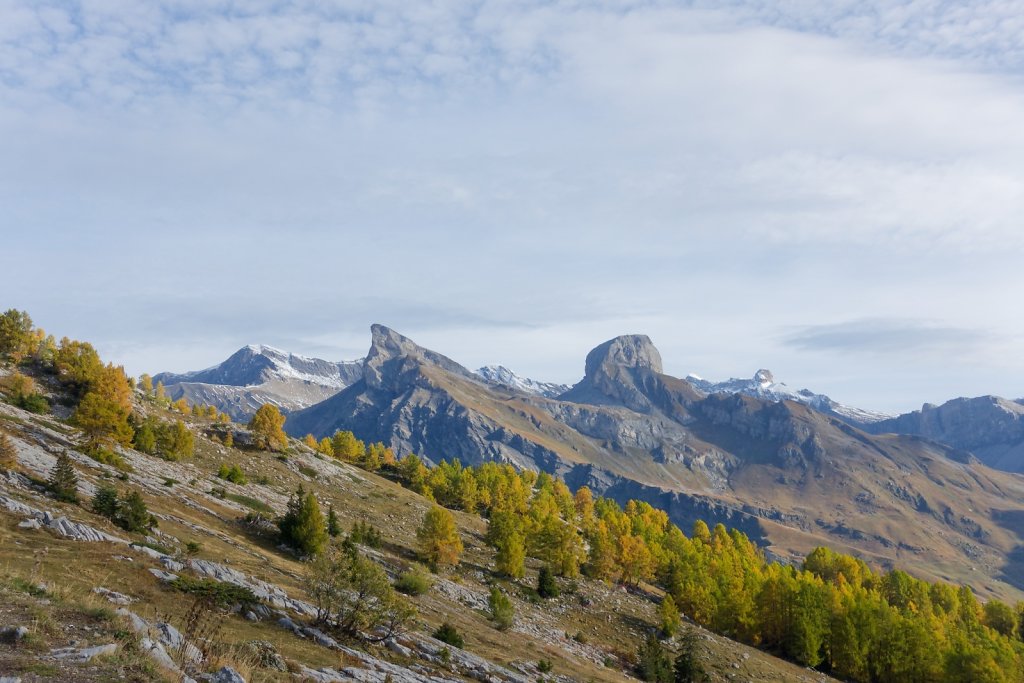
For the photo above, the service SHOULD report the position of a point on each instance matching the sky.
(833, 191)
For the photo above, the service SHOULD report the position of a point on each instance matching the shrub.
(353, 594)
(502, 611)
(414, 581)
(366, 534)
(450, 635)
(109, 457)
(547, 587)
(234, 474)
(33, 403)
(545, 666)
(217, 593)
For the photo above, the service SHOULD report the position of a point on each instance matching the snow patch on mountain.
(502, 376)
(258, 374)
(763, 385)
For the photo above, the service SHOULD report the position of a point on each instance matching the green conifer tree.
(333, 525)
(104, 502)
(547, 587)
(132, 513)
(63, 481)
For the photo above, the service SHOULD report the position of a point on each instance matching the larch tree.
(347, 446)
(438, 538)
(8, 453)
(303, 526)
(668, 616)
(267, 426)
(15, 334)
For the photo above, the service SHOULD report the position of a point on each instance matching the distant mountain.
(763, 385)
(499, 374)
(788, 475)
(991, 428)
(258, 374)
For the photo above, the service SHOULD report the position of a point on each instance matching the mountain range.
(763, 385)
(791, 473)
(258, 374)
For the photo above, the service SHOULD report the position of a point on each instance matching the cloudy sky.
(834, 191)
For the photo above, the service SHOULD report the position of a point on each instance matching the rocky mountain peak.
(390, 352)
(385, 343)
(629, 350)
(764, 377)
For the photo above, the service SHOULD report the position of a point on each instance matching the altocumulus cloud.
(518, 181)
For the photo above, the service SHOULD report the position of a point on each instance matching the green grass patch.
(257, 505)
(108, 457)
(23, 585)
(308, 471)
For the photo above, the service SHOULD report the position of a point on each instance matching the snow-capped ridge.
(499, 374)
(763, 385)
(259, 373)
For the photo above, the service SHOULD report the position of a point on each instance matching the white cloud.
(715, 175)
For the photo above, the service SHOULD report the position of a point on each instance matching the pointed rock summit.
(629, 350)
(391, 353)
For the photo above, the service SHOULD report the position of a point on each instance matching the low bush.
(415, 581)
(217, 593)
(447, 633)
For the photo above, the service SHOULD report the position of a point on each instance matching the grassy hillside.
(590, 632)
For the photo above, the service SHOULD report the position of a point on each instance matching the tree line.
(832, 612)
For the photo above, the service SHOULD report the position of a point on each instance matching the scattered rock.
(13, 634)
(78, 531)
(146, 550)
(226, 675)
(287, 623)
(72, 654)
(112, 596)
(162, 575)
(29, 524)
(321, 638)
(171, 564)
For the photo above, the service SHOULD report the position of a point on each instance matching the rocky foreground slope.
(81, 600)
(786, 474)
